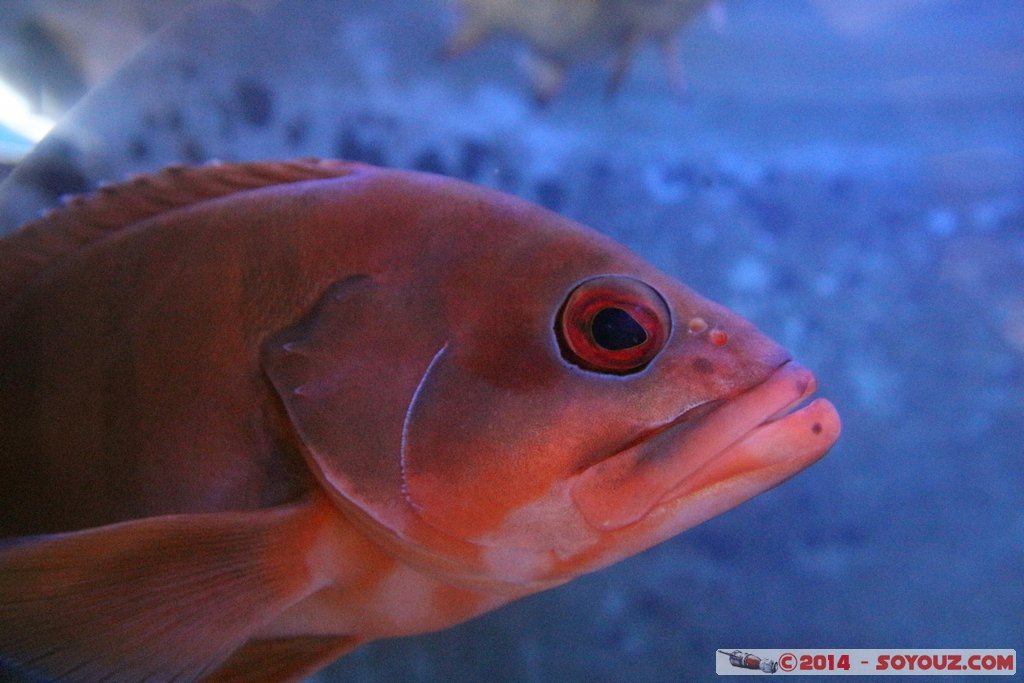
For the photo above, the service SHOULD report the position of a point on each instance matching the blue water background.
(848, 175)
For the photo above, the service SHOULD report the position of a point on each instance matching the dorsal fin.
(88, 218)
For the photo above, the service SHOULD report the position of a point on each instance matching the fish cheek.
(511, 359)
(473, 451)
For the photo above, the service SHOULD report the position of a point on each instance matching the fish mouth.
(737, 448)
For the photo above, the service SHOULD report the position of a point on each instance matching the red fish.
(254, 415)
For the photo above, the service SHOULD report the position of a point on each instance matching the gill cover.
(346, 373)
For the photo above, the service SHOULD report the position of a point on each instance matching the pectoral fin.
(158, 599)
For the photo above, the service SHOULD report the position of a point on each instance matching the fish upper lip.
(686, 418)
(697, 412)
(806, 391)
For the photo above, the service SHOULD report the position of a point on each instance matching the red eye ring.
(613, 324)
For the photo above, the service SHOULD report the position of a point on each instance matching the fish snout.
(692, 452)
(717, 355)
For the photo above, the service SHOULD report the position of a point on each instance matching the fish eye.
(613, 324)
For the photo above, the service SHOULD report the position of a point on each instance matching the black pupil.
(615, 330)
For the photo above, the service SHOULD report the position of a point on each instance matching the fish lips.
(757, 440)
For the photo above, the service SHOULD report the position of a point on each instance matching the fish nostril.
(697, 325)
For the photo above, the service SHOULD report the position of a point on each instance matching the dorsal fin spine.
(83, 219)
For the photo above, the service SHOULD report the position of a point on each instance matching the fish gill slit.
(408, 418)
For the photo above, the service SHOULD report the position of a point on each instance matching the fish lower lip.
(686, 419)
(625, 487)
(751, 450)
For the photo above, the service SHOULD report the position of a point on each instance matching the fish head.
(564, 404)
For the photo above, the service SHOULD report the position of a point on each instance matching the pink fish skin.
(254, 415)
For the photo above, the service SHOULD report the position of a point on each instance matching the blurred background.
(849, 174)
